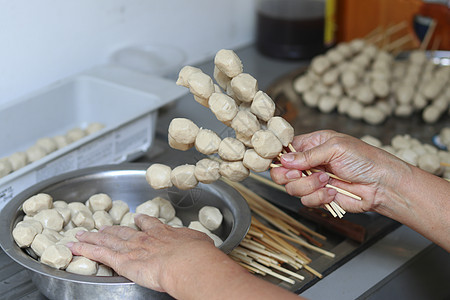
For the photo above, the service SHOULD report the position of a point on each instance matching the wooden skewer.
(444, 164)
(399, 42)
(338, 212)
(311, 270)
(428, 35)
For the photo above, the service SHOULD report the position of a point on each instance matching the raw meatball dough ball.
(262, 106)
(334, 56)
(365, 95)
(245, 123)
(84, 219)
(207, 141)
(372, 141)
(41, 242)
(404, 94)
(401, 142)
(128, 220)
(228, 63)
(380, 88)
(344, 105)
(320, 64)
(220, 77)
(357, 45)
(344, 49)
(47, 144)
(231, 149)
(336, 90)
(149, 208)
(266, 143)
(223, 107)
(234, 170)
(311, 98)
(417, 57)
(210, 217)
(201, 85)
(430, 163)
(100, 202)
(71, 233)
(24, 234)
(431, 114)
(104, 271)
(75, 134)
(94, 127)
(120, 208)
(60, 141)
(433, 88)
(355, 110)
(404, 110)
(53, 233)
(82, 265)
(36, 203)
(246, 140)
(76, 207)
(444, 135)
(50, 218)
(35, 153)
(65, 213)
(244, 87)
(178, 146)
(373, 115)
(166, 209)
(183, 177)
(281, 129)
(175, 222)
(207, 170)
(303, 84)
(330, 77)
(57, 256)
(5, 167)
(196, 225)
(255, 162)
(183, 130)
(185, 73)
(158, 176)
(17, 160)
(327, 103)
(408, 155)
(202, 101)
(102, 218)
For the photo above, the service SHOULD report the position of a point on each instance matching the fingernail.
(69, 245)
(332, 192)
(80, 233)
(293, 174)
(288, 157)
(324, 177)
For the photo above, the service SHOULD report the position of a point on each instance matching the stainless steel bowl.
(125, 182)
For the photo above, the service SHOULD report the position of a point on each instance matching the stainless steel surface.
(126, 182)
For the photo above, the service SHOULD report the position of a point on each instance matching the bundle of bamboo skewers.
(268, 251)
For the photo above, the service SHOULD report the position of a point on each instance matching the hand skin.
(180, 261)
(386, 184)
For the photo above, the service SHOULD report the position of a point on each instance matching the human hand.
(146, 257)
(370, 170)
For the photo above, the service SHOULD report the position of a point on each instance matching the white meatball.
(303, 83)
(349, 78)
(50, 218)
(183, 177)
(60, 141)
(330, 77)
(183, 130)
(380, 88)
(201, 85)
(266, 143)
(223, 107)
(355, 110)
(120, 208)
(175, 222)
(102, 218)
(41, 242)
(210, 217)
(207, 170)
(404, 110)
(245, 123)
(202, 101)
(65, 213)
(94, 127)
(404, 94)
(281, 129)
(128, 220)
(220, 77)
(5, 167)
(196, 225)
(76, 207)
(430, 163)
(149, 208)
(371, 140)
(24, 235)
(158, 176)
(207, 141)
(244, 87)
(255, 162)
(75, 134)
(178, 146)
(82, 265)
(56, 256)
(17, 160)
(327, 103)
(228, 63)
(233, 170)
(320, 64)
(231, 149)
(103, 270)
(166, 209)
(36, 203)
(431, 114)
(311, 98)
(47, 144)
(262, 106)
(35, 153)
(100, 201)
(184, 74)
(373, 115)
(246, 140)
(83, 219)
(364, 94)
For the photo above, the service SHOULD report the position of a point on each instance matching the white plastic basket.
(125, 101)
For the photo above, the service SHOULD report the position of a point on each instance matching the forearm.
(421, 201)
(213, 275)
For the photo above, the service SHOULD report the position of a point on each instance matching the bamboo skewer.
(428, 35)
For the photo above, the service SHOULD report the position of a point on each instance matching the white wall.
(46, 40)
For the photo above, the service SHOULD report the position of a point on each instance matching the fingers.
(307, 185)
(94, 252)
(319, 197)
(282, 175)
(122, 232)
(146, 223)
(101, 239)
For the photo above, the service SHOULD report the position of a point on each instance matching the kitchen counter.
(400, 265)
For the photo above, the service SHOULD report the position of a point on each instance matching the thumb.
(307, 159)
